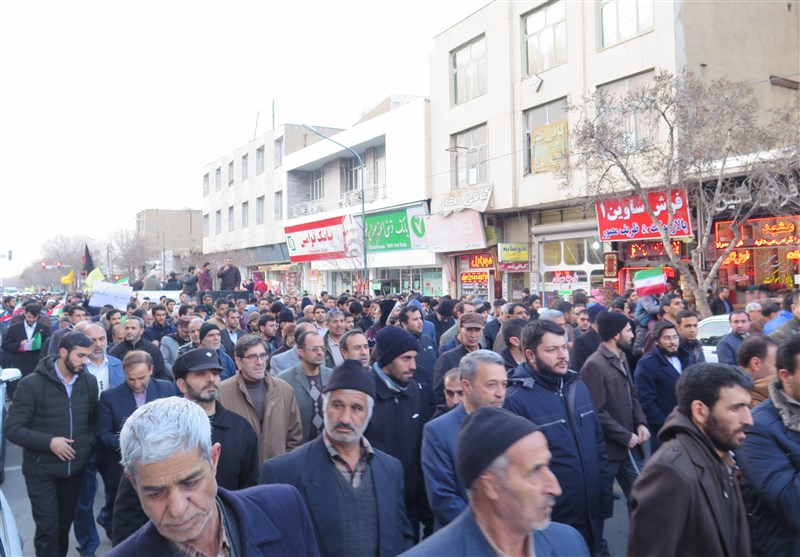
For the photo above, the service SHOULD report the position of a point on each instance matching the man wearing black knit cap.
(503, 460)
(396, 424)
(608, 377)
(442, 318)
(211, 337)
(353, 491)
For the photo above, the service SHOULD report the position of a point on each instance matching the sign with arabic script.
(766, 232)
(389, 231)
(548, 146)
(318, 240)
(475, 197)
(627, 219)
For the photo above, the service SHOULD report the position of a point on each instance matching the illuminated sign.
(481, 261)
(638, 250)
(565, 277)
(610, 265)
(766, 232)
(475, 278)
(737, 258)
(793, 255)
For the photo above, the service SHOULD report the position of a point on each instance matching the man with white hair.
(354, 492)
(170, 460)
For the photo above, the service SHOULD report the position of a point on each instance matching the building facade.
(175, 233)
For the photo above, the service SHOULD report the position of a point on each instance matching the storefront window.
(594, 251)
(574, 251)
(551, 252)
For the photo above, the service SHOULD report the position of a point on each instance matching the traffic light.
(58, 264)
(44, 265)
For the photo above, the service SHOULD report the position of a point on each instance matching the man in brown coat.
(267, 402)
(687, 499)
(610, 383)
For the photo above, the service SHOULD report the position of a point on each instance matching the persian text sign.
(766, 232)
(390, 231)
(627, 219)
(512, 252)
(460, 231)
(314, 241)
(475, 197)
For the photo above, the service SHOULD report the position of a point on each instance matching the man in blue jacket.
(545, 391)
(504, 461)
(169, 459)
(770, 461)
(354, 492)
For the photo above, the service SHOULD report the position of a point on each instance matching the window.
(260, 160)
(574, 251)
(551, 252)
(230, 173)
(278, 205)
(317, 184)
(244, 167)
(205, 185)
(230, 217)
(546, 142)
(218, 222)
(352, 174)
(622, 19)
(379, 170)
(245, 213)
(205, 226)
(278, 152)
(469, 156)
(640, 125)
(545, 33)
(260, 210)
(218, 179)
(468, 66)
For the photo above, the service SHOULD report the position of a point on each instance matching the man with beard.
(545, 391)
(656, 375)
(268, 332)
(229, 276)
(690, 351)
(53, 417)
(483, 380)
(609, 381)
(354, 492)
(470, 330)
(728, 346)
(504, 461)
(160, 326)
(134, 328)
(758, 357)
(687, 499)
(410, 319)
(171, 343)
(211, 338)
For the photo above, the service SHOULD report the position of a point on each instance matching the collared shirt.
(61, 377)
(354, 476)
(29, 329)
(336, 354)
(101, 374)
(223, 550)
(234, 335)
(531, 551)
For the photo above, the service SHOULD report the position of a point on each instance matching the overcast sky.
(110, 108)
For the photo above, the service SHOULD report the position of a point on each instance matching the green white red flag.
(650, 281)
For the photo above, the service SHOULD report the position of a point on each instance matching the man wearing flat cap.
(610, 382)
(354, 492)
(470, 332)
(503, 460)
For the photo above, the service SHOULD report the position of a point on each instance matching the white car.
(709, 331)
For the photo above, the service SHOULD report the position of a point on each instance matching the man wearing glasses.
(308, 379)
(266, 402)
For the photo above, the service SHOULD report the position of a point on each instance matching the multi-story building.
(287, 206)
(330, 193)
(174, 233)
(498, 127)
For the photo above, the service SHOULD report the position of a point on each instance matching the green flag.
(36, 341)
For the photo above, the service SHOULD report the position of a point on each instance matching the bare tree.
(131, 252)
(679, 133)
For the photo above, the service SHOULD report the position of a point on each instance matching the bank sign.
(392, 230)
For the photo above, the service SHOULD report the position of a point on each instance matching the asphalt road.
(616, 528)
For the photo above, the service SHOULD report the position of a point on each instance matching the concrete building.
(175, 234)
(498, 127)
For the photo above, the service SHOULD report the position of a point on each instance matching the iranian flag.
(650, 281)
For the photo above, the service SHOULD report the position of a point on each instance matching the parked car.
(710, 330)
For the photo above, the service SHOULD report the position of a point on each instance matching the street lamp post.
(363, 215)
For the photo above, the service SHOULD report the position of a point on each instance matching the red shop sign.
(481, 261)
(475, 278)
(627, 219)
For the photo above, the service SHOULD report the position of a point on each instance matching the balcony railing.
(329, 203)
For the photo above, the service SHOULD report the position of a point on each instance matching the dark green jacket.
(42, 410)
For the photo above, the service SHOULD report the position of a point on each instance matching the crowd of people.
(405, 424)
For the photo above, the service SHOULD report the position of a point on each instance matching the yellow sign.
(549, 146)
(512, 252)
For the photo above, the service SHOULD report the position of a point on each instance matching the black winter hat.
(205, 328)
(286, 316)
(350, 374)
(486, 434)
(610, 324)
(445, 308)
(392, 341)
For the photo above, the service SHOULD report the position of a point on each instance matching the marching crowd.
(405, 425)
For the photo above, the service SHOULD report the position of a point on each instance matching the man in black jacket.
(53, 417)
(134, 329)
(410, 319)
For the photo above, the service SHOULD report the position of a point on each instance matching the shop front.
(767, 255)
(568, 262)
(515, 269)
(322, 242)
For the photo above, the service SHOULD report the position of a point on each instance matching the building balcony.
(330, 203)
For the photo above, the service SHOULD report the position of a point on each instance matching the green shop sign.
(388, 231)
